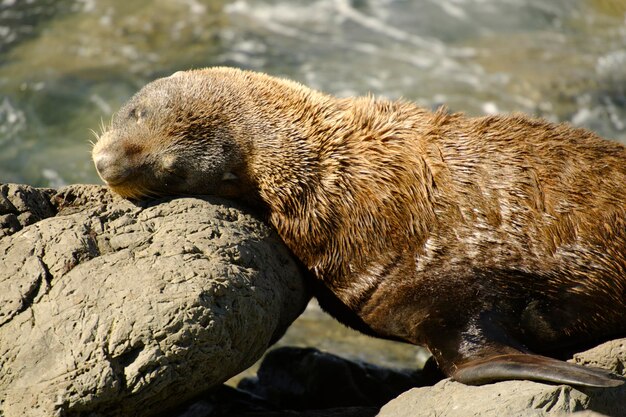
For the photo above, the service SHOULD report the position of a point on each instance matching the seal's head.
(175, 135)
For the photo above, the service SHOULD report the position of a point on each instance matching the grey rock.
(292, 378)
(610, 355)
(227, 401)
(22, 205)
(108, 308)
(519, 398)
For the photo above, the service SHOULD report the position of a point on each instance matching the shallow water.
(67, 65)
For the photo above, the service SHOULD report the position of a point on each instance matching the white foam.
(101, 104)
(12, 120)
(453, 10)
(345, 9)
(490, 107)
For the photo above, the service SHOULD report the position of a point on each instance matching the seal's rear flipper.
(533, 367)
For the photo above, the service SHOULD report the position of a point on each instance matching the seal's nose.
(111, 168)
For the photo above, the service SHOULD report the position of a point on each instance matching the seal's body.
(484, 239)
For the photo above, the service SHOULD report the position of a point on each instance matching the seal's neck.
(297, 167)
(331, 172)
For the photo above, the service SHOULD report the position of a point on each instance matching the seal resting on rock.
(498, 242)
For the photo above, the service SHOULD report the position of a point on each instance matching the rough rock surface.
(520, 398)
(109, 308)
(610, 355)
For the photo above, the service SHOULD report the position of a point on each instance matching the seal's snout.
(115, 159)
(111, 168)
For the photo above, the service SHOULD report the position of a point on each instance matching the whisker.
(151, 193)
(102, 126)
(139, 192)
(95, 134)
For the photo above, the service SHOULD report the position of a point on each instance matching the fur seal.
(497, 242)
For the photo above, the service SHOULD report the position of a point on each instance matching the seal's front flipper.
(532, 367)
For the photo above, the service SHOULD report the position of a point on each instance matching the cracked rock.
(109, 308)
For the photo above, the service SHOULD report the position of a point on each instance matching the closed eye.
(137, 114)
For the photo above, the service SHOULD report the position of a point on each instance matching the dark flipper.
(533, 367)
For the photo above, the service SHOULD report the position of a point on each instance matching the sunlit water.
(67, 65)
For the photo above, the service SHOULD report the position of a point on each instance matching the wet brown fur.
(472, 236)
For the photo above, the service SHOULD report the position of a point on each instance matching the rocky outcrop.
(508, 398)
(520, 398)
(110, 308)
(610, 355)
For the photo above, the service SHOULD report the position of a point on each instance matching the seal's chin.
(133, 192)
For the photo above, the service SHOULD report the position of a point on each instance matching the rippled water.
(66, 65)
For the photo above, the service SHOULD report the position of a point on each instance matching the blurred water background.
(67, 65)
